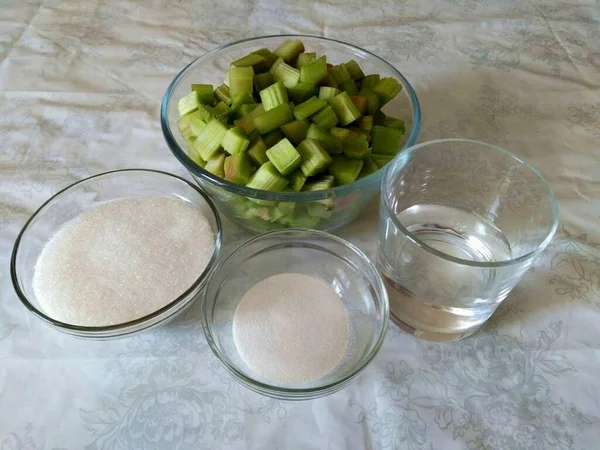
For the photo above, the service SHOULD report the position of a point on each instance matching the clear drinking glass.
(461, 222)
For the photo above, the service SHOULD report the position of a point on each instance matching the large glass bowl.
(336, 262)
(86, 194)
(261, 210)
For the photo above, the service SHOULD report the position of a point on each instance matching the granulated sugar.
(291, 328)
(122, 260)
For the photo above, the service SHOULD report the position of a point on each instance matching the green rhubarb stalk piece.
(286, 208)
(220, 112)
(327, 92)
(254, 134)
(267, 178)
(387, 88)
(393, 122)
(372, 100)
(296, 131)
(305, 58)
(275, 65)
(196, 158)
(329, 80)
(273, 137)
(357, 131)
(314, 71)
(314, 157)
(289, 50)
(248, 60)
(360, 103)
(184, 127)
(381, 160)
(238, 168)
(379, 118)
(263, 81)
(274, 118)
(284, 157)
(386, 141)
(344, 108)
(368, 168)
(206, 95)
(208, 142)
(354, 70)
(349, 86)
(274, 96)
(235, 141)
(309, 107)
(287, 74)
(339, 73)
(322, 183)
(240, 80)
(237, 205)
(196, 124)
(246, 109)
(357, 148)
(344, 169)
(328, 142)
(247, 122)
(342, 134)
(274, 214)
(302, 92)
(258, 152)
(366, 123)
(215, 165)
(269, 57)
(258, 62)
(188, 104)
(297, 180)
(242, 99)
(320, 210)
(369, 81)
(191, 125)
(326, 118)
(223, 94)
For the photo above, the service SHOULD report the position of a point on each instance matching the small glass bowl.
(337, 262)
(262, 211)
(88, 193)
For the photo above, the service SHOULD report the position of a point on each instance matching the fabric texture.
(80, 87)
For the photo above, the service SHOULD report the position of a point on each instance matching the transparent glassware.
(85, 194)
(340, 264)
(461, 222)
(259, 210)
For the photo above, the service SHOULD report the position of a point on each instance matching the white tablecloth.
(81, 82)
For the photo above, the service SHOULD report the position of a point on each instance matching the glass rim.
(509, 262)
(196, 170)
(98, 331)
(262, 387)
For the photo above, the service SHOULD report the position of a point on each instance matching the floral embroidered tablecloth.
(80, 86)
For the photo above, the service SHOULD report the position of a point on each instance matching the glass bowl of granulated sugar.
(116, 253)
(295, 314)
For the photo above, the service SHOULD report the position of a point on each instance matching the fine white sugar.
(291, 328)
(122, 260)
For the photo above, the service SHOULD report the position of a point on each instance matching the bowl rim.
(286, 392)
(195, 169)
(399, 163)
(99, 331)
